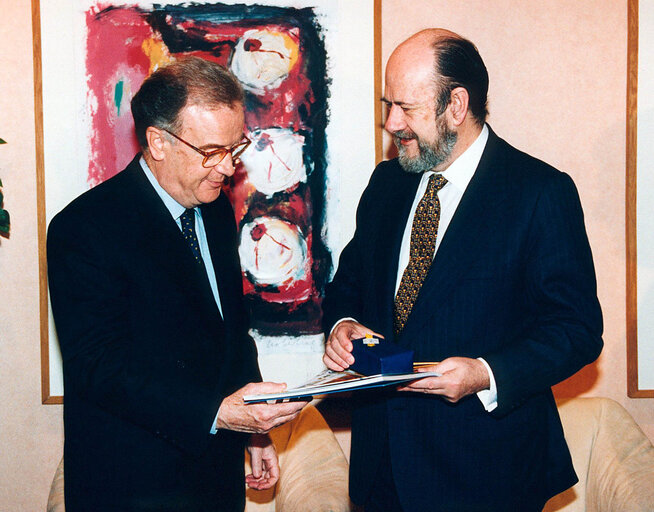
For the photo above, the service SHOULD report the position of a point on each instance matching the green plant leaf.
(4, 221)
(2, 141)
(4, 216)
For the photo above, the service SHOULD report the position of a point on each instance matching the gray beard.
(429, 155)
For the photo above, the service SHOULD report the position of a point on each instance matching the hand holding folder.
(376, 363)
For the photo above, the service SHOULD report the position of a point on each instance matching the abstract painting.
(279, 56)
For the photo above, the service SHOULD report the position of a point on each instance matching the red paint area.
(113, 54)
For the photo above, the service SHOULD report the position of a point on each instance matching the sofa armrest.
(612, 457)
(56, 496)
(313, 469)
(621, 468)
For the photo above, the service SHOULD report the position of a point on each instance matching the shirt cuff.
(214, 430)
(488, 397)
(341, 320)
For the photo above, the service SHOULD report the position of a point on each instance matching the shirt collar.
(460, 172)
(173, 206)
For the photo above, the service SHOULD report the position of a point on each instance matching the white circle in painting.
(273, 251)
(274, 161)
(262, 59)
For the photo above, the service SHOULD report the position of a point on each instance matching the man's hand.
(264, 462)
(338, 348)
(461, 376)
(234, 414)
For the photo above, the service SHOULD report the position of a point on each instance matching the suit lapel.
(219, 225)
(162, 241)
(467, 235)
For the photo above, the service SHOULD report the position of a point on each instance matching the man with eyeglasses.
(147, 298)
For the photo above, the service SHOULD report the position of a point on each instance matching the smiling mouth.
(404, 141)
(215, 183)
(404, 138)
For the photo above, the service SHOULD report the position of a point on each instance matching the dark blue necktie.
(187, 220)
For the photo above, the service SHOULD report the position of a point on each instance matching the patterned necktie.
(421, 251)
(187, 220)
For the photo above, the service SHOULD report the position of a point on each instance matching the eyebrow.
(402, 104)
(211, 146)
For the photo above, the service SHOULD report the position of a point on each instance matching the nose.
(226, 166)
(395, 120)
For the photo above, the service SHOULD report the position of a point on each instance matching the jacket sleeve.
(564, 326)
(345, 294)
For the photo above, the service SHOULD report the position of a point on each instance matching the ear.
(156, 142)
(458, 106)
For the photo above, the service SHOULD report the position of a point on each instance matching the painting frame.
(51, 371)
(636, 345)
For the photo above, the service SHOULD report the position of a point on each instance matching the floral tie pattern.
(421, 251)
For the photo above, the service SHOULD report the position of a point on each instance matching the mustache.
(404, 135)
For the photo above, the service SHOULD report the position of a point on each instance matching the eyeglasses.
(214, 157)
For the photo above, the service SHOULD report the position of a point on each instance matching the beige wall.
(31, 434)
(557, 91)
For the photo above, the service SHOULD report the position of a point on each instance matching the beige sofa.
(612, 457)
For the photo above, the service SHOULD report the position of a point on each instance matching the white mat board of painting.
(644, 205)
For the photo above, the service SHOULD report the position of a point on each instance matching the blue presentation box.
(375, 355)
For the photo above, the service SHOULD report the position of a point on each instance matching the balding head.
(425, 39)
(447, 60)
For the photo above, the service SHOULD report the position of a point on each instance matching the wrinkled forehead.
(409, 80)
(217, 126)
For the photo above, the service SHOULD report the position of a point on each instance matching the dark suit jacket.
(147, 359)
(512, 282)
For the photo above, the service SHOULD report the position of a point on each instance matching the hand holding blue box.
(373, 356)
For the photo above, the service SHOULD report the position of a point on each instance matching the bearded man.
(475, 256)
